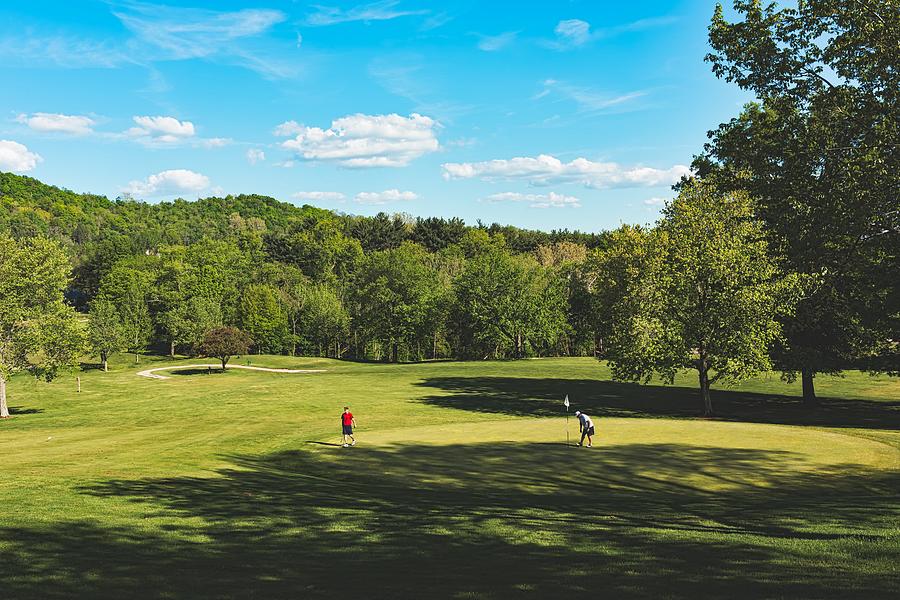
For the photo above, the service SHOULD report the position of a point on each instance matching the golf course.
(234, 485)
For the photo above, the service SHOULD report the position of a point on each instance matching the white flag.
(566, 402)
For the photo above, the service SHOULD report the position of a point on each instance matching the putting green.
(653, 443)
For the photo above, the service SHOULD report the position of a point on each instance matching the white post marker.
(566, 402)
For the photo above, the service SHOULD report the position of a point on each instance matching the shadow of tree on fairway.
(480, 521)
(18, 410)
(523, 396)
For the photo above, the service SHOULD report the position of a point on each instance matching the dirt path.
(151, 373)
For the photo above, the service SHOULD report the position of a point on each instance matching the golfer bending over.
(586, 426)
(347, 425)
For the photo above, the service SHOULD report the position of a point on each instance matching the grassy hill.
(233, 485)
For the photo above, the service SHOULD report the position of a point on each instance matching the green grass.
(232, 485)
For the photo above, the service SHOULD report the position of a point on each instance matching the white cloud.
(492, 43)
(288, 128)
(656, 201)
(168, 183)
(58, 123)
(16, 157)
(573, 32)
(548, 170)
(160, 130)
(319, 196)
(551, 200)
(376, 11)
(367, 140)
(384, 197)
(255, 155)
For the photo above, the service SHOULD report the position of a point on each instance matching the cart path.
(151, 373)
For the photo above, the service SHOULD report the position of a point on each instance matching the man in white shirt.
(586, 426)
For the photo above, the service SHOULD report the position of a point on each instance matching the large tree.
(128, 286)
(223, 343)
(507, 304)
(819, 150)
(701, 291)
(39, 333)
(262, 315)
(105, 332)
(394, 290)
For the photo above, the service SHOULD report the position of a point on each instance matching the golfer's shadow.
(323, 443)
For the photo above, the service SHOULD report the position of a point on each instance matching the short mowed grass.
(462, 486)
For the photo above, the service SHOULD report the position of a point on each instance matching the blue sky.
(538, 114)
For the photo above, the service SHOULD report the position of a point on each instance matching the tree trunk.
(224, 360)
(395, 352)
(809, 388)
(4, 409)
(704, 388)
(172, 349)
(137, 358)
(104, 358)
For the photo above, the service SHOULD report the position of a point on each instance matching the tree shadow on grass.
(18, 410)
(204, 371)
(480, 521)
(522, 396)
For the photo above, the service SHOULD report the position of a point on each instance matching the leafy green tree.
(700, 291)
(128, 287)
(394, 289)
(39, 333)
(105, 332)
(263, 317)
(225, 342)
(507, 303)
(325, 321)
(819, 153)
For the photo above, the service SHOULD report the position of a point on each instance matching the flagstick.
(567, 426)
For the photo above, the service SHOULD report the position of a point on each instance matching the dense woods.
(302, 280)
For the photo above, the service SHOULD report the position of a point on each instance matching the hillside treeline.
(307, 280)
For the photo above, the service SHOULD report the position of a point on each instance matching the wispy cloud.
(549, 170)
(576, 33)
(193, 32)
(375, 11)
(551, 200)
(406, 76)
(492, 43)
(587, 99)
(164, 33)
(319, 196)
(62, 50)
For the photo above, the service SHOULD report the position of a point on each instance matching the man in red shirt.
(347, 425)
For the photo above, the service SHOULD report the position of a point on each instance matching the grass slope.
(231, 485)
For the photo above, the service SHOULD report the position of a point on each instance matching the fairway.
(462, 486)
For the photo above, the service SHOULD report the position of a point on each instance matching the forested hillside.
(304, 279)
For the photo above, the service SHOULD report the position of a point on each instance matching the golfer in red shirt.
(347, 425)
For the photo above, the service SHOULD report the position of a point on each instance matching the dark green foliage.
(819, 152)
(225, 342)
